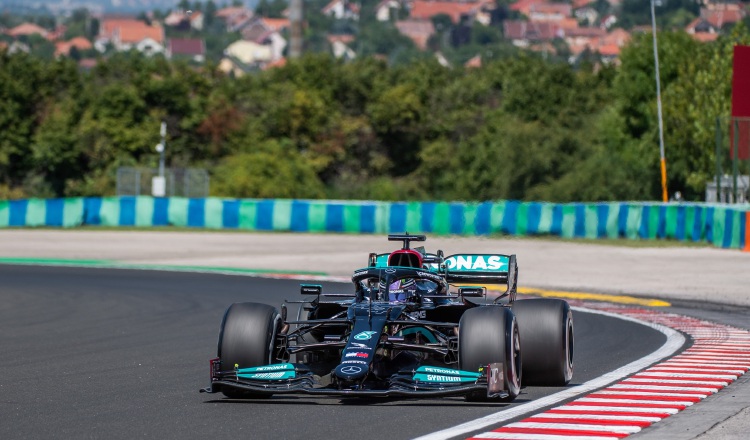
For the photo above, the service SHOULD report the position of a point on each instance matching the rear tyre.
(489, 334)
(546, 327)
(248, 332)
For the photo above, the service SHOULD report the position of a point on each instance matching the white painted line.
(649, 372)
(548, 415)
(520, 436)
(674, 342)
(635, 409)
(657, 387)
(576, 427)
(652, 393)
(636, 379)
(615, 402)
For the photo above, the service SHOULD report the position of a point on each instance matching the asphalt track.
(114, 353)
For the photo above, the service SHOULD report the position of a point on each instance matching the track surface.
(96, 353)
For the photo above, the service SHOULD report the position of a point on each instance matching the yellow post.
(664, 194)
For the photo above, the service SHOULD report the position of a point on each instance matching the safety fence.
(721, 225)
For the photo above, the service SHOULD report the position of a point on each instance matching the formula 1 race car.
(417, 325)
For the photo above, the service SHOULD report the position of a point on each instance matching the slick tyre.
(489, 334)
(546, 327)
(248, 332)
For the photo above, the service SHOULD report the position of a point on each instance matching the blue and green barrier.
(721, 225)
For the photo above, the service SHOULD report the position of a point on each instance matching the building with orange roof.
(425, 10)
(418, 31)
(275, 24)
(524, 6)
(27, 29)
(63, 48)
(128, 33)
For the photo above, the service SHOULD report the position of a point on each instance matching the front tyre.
(546, 327)
(248, 332)
(486, 335)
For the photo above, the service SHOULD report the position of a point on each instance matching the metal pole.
(658, 106)
(718, 159)
(163, 133)
(296, 17)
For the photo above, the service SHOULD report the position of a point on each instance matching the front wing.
(423, 382)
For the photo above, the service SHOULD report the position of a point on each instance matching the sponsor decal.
(273, 367)
(436, 378)
(476, 262)
(361, 355)
(351, 369)
(354, 362)
(442, 371)
(278, 375)
(364, 336)
(419, 314)
(430, 276)
(358, 346)
(390, 271)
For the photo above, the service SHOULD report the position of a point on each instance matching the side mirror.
(311, 289)
(472, 292)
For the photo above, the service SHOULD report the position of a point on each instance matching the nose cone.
(351, 371)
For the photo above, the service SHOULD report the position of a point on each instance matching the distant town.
(239, 38)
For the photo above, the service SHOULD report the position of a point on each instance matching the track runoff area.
(631, 398)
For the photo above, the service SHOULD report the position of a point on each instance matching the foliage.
(379, 127)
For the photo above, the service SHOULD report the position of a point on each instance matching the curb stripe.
(719, 356)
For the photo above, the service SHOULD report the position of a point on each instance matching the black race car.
(416, 324)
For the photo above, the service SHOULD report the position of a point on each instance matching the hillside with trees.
(520, 127)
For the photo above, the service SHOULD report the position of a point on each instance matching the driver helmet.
(405, 288)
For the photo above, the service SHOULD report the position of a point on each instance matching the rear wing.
(468, 269)
(482, 269)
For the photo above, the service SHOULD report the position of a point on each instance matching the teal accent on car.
(477, 263)
(421, 330)
(268, 372)
(444, 375)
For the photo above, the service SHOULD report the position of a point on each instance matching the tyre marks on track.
(719, 355)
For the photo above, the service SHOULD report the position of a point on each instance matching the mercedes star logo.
(351, 370)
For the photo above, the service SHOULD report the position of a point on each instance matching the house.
(249, 53)
(523, 33)
(235, 17)
(586, 14)
(193, 49)
(581, 38)
(524, 6)
(608, 21)
(722, 14)
(63, 48)
(549, 11)
(341, 10)
(425, 10)
(18, 47)
(341, 46)
(196, 20)
(387, 10)
(27, 29)
(267, 31)
(128, 33)
(418, 31)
